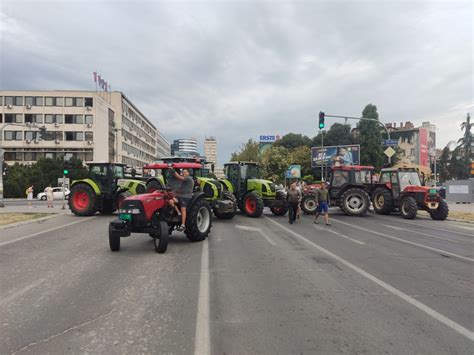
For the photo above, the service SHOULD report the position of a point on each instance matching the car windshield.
(408, 178)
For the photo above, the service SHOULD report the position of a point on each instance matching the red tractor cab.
(401, 189)
(151, 213)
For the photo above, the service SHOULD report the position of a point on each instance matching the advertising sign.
(269, 138)
(423, 139)
(293, 172)
(335, 155)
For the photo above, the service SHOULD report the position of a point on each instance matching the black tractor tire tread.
(365, 197)
(387, 207)
(192, 231)
(161, 239)
(442, 212)
(259, 205)
(279, 211)
(107, 207)
(411, 208)
(91, 210)
(229, 215)
(114, 241)
(303, 206)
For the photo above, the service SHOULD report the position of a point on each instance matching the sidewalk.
(36, 209)
(461, 207)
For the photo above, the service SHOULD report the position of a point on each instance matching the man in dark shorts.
(322, 204)
(184, 193)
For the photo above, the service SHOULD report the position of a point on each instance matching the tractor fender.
(89, 182)
(158, 179)
(227, 185)
(203, 182)
(131, 185)
(196, 197)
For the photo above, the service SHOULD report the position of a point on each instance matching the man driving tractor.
(182, 186)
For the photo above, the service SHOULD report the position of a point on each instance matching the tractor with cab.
(401, 189)
(104, 189)
(151, 213)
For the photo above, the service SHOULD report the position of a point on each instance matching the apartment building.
(89, 125)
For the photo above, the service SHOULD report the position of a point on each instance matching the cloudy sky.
(239, 69)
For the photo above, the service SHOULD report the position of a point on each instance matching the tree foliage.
(249, 151)
(443, 166)
(339, 134)
(275, 161)
(466, 140)
(293, 141)
(301, 156)
(370, 138)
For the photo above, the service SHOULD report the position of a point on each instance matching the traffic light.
(66, 168)
(321, 120)
(42, 133)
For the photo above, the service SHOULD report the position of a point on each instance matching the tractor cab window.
(99, 171)
(384, 178)
(231, 172)
(409, 178)
(118, 172)
(249, 172)
(339, 178)
(362, 177)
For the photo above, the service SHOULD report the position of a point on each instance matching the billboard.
(269, 138)
(336, 155)
(423, 141)
(293, 172)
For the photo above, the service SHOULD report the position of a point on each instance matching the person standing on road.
(29, 195)
(293, 198)
(322, 198)
(49, 195)
(184, 194)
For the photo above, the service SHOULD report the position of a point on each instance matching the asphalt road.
(374, 285)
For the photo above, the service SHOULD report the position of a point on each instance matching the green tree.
(275, 161)
(457, 165)
(466, 140)
(443, 166)
(370, 138)
(293, 141)
(249, 151)
(301, 156)
(339, 134)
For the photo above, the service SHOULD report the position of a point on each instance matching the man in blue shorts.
(322, 204)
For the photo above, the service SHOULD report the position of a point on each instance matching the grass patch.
(465, 216)
(14, 217)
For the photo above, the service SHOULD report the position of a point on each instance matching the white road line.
(429, 235)
(431, 312)
(202, 343)
(45, 231)
(21, 291)
(401, 220)
(340, 235)
(407, 241)
(253, 229)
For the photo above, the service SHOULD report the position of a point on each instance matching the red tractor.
(349, 188)
(401, 189)
(150, 213)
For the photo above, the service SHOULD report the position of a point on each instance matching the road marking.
(428, 235)
(408, 242)
(253, 229)
(45, 231)
(401, 220)
(431, 312)
(202, 343)
(21, 291)
(340, 235)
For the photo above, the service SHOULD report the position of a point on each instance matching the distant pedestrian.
(293, 198)
(323, 207)
(49, 195)
(29, 195)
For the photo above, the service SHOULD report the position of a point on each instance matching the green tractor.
(103, 191)
(251, 192)
(223, 203)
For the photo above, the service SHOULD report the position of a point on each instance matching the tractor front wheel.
(441, 213)
(355, 202)
(382, 200)
(408, 208)
(253, 205)
(309, 204)
(160, 236)
(198, 221)
(114, 240)
(82, 200)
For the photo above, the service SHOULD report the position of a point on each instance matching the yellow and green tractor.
(104, 189)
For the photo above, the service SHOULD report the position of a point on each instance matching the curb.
(11, 225)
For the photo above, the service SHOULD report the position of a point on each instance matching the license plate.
(125, 216)
(433, 191)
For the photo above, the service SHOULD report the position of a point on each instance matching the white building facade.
(88, 125)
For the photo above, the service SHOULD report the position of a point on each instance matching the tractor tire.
(227, 195)
(252, 205)
(198, 221)
(161, 236)
(107, 207)
(153, 185)
(382, 201)
(280, 210)
(408, 208)
(114, 240)
(355, 202)
(82, 200)
(309, 205)
(441, 213)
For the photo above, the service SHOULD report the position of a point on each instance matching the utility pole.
(322, 151)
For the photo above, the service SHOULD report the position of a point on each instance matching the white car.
(57, 194)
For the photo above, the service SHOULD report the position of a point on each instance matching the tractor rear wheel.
(160, 236)
(114, 240)
(382, 200)
(253, 205)
(198, 221)
(309, 204)
(441, 213)
(107, 207)
(408, 208)
(82, 200)
(355, 202)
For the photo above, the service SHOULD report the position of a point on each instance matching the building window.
(69, 102)
(53, 135)
(13, 136)
(13, 156)
(79, 102)
(74, 136)
(54, 101)
(89, 119)
(13, 118)
(31, 135)
(74, 102)
(89, 136)
(412, 151)
(53, 118)
(89, 101)
(1, 100)
(14, 100)
(33, 118)
(75, 119)
(33, 101)
(89, 155)
(1, 118)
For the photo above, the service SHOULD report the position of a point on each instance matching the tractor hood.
(155, 195)
(424, 189)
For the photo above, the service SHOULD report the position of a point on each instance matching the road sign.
(389, 152)
(389, 142)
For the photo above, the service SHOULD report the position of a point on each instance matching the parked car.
(57, 194)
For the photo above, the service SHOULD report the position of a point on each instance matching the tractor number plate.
(125, 217)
